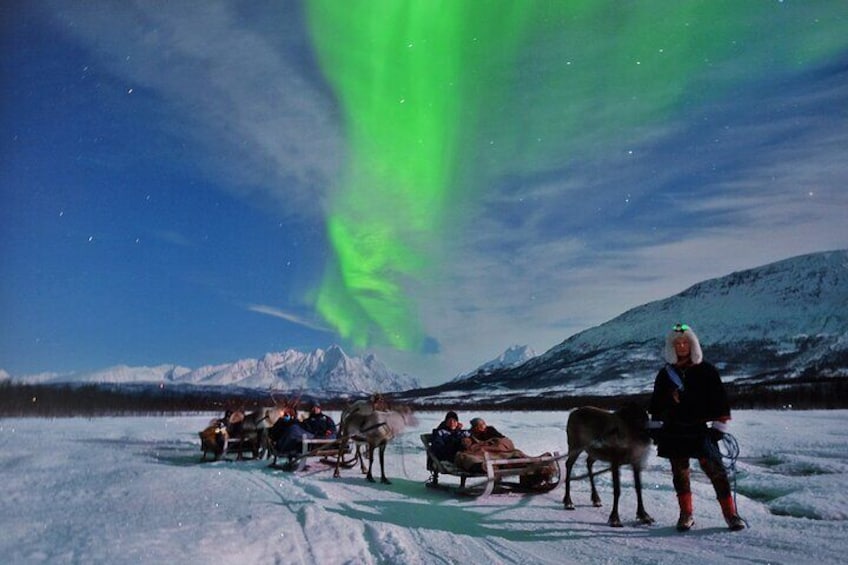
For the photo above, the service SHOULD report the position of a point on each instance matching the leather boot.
(728, 509)
(686, 520)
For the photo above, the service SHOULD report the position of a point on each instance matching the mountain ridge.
(779, 321)
(290, 370)
(782, 320)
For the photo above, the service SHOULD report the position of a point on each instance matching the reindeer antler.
(276, 402)
(378, 402)
(297, 399)
(282, 405)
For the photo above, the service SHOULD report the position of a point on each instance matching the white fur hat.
(683, 330)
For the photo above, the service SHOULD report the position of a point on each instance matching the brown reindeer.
(213, 439)
(619, 438)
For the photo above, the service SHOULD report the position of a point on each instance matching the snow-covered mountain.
(788, 319)
(321, 372)
(785, 320)
(513, 357)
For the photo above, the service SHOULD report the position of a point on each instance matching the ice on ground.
(133, 490)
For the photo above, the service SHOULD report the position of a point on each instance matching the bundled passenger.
(484, 432)
(484, 439)
(447, 437)
(287, 433)
(319, 424)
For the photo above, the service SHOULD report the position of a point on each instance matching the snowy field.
(132, 490)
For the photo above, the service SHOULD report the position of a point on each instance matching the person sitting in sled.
(482, 431)
(484, 439)
(287, 434)
(688, 393)
(446, 439)
(319, 424)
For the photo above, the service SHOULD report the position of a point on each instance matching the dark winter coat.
(445, 443)
(287, 436)
(685, 412)
(321, 426)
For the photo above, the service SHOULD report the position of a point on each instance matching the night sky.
(194, 183)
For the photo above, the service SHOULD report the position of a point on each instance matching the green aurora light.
(404, 73)
(441, 97)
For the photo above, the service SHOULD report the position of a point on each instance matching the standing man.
(688, 393)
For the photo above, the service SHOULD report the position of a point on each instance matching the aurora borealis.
(432, 181)
(406, 74)
(426, 86)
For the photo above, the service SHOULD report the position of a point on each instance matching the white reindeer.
(372, 422)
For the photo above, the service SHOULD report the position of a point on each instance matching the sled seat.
(326, 450)
(528, 470)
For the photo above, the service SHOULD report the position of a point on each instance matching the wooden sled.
(326, 450)
(497, 473)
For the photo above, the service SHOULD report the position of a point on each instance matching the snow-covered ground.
(132, 490)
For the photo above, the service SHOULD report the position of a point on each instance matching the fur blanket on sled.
(471, 457)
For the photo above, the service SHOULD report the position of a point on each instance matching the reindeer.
(620, 438)
(373, 422)
(253, 431)
(213, 439)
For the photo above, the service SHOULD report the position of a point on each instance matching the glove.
(654, 430)
(717, 430)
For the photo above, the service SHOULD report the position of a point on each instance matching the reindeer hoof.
(370, 479)
(385, 481)
(615, 522)
(596, 503)
(568, 505)
(645, 519)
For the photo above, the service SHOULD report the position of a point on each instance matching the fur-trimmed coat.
(684, 413)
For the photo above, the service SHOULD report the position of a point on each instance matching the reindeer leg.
(361, 459)
(369, 477)
(614, 520)
(339, 455)
(383, 478)
(641, 514)
(596, 499)
(569, 464)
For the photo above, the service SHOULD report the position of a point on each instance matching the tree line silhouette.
(40, 400)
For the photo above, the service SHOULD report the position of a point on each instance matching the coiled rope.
(726, 452)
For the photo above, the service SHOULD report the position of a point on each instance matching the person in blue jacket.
(287, 433)
(446, 439)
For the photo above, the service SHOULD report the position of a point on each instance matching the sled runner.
(529, 475)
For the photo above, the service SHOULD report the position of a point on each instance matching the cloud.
(289, 317)
(602, 218)
(740, 183)
(236, 87)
